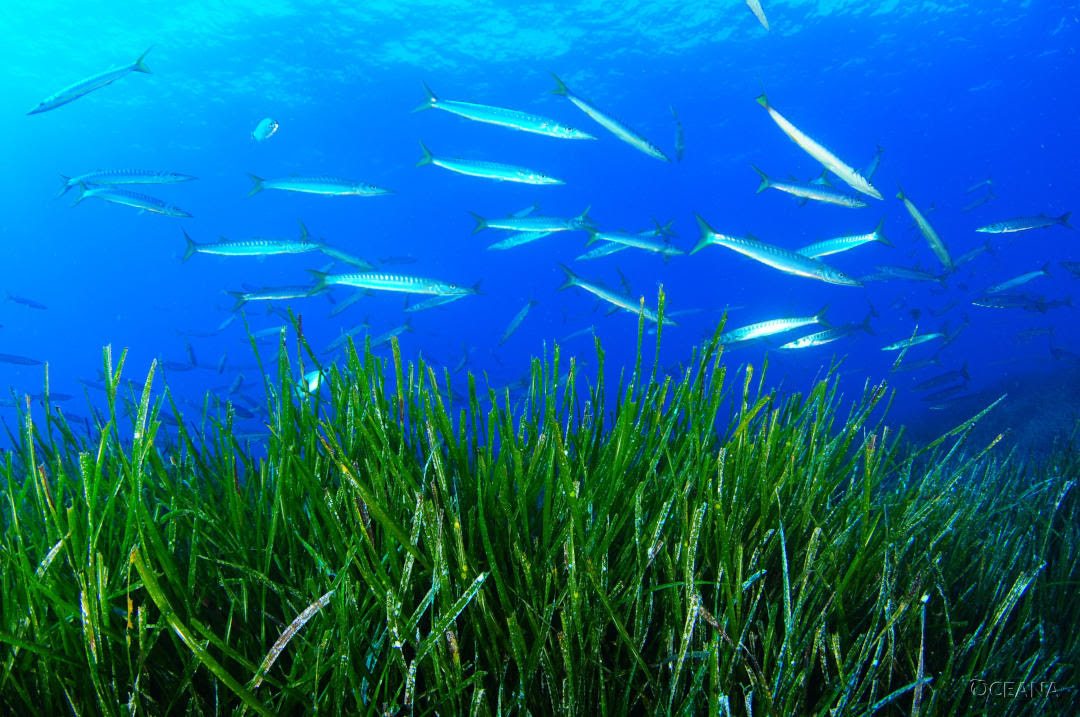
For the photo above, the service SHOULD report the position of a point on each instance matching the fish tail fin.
(139, 65)
(481, 223)
(1063, 220)
(762, 99)
(191, 246)
(320, 280)
(428, 157)
(431, 100)
(900, 193)
(879, 233)
(67, 185)
(593, 237)
(82, 194)
(476, 287)
(571, 278)
(305, 236)
(560, 86)
(256, 184)
(989, 249)
(664, 230)
(765, 182)
(820, 316)
(1046, 269)
(240, 299)
(865, 324)
(707, 233)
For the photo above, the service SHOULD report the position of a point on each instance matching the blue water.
(953, 93)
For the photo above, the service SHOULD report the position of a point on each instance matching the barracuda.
(913, 341)
(77, 90)
(928, 232)
(534, 223)
(331, 186)
(123, 176)
(378, 281)
(503, 117)
(487, 170)
(1023, 224)
(516, 322)
(818, 191)
(771, 327)
(142, 202)
(844, 243)
(829, 160)
(253, 247)
(610, 122)
(777, 257)
(604, 294)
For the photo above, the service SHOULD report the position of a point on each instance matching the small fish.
(771, 327)
(344, 257)
(432, 302)
(916, 365)
(968, 256)
(1029, 334)
(385, 337)
(279, 293)
(928, 232)
(759, 12)
(379, 281)
(903, 272)
(817, 190)
(518, 239)
(350, 333)
(253, 247)
(534, 223)
(831, 334)
(944, 379)
(19, 360)
(636, 241)
(77, 90)
(330, 186)
(1023, 224)
(516, 322)
(829, 160)
(487, 170)
(503, 117)
(610, 122)
(777, 257)
(912, 341)
(844, 243)
(979, 202)
(988, 182)
(949, 392)
(588, 330)
(26, 302)
(113, 177)
(871, 169)
(680, 140)
(264, 130)
(620, 301)
(601, 251)
(142, 202)
(1018, 280)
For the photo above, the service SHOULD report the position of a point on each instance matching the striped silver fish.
(635, 241)
(829, 160)
(276, 293)
(253, 247)
(777, 257)
(819, 191)
(829, 335)
(534, 223)
(928, 232)
(332, 186)
(913, 341)
(503, 117)
(379, 281)
(141, 202)
(844, 243)
(771, 327)
(604, 294)
(1018, 280)
(610, 123)
(516, 322)
(518, 239)
(1023, 224)
(487, 170)
(77, 90)
(113, 177)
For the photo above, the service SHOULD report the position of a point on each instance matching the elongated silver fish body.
(487, 170)
(829, 160)
(82, 87)
(332, 186)
(516, 322)
(253, 247)
(534, 223)
(818, 191)
(1023, 224)
(518, 239)
(610, 122)
(1018, 280)
(913, 341)
(636, 241)
(504, 117)
(844, 243)
(142, 202)
(378, 281)
(113, 177)
(770, 327)
(771, 255)
(615, 299)
(928, 232)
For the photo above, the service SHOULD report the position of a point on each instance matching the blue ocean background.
(954, 94)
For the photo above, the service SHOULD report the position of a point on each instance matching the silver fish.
(518, 239)
(379, 281)
(844, 243)
(516, 322)
(604, 294)
(777, 257)
(131, 199)
(912, 341)
(487, 170)
(770, 327)
(610, 122)
(534, 223)
(1023, 224)
(759, 12)
(332, 186)
(253, 247)
(928, 232)
(818, 190)
(123, 176)
(503, 117)
(77, 90)
(829, 160)
(1018, 280)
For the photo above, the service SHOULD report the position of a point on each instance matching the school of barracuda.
(524, 226)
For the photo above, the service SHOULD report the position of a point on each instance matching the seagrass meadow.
(682, 546)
